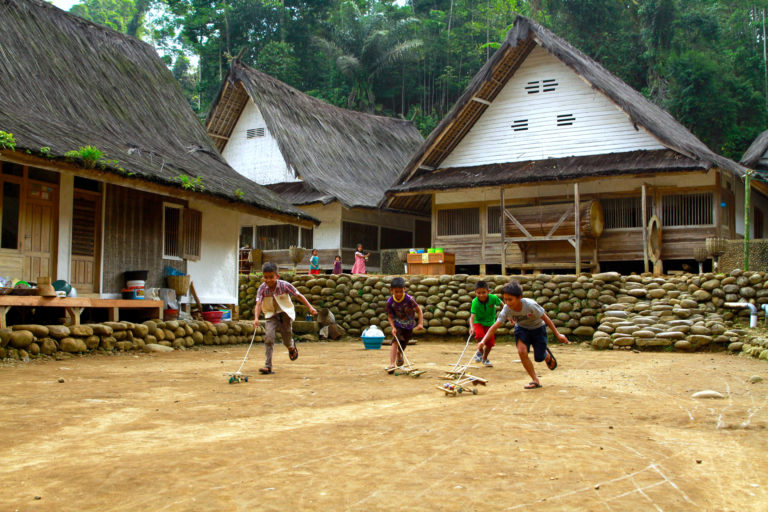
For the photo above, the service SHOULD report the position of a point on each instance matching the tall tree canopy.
(702, 60)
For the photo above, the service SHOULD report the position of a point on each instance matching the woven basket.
(179, 284)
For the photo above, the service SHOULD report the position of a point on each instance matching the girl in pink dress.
(360, 258)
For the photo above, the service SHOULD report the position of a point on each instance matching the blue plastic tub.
(372, 342)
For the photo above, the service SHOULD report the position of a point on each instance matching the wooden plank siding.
(133, 237)
(519, 126)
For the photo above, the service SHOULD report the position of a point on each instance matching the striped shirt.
(281, 288)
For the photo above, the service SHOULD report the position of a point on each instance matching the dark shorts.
(403, 335)
(536, 337)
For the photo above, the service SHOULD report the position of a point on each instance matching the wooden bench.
(74, 306)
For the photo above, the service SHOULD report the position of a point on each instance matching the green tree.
(365, 45)
(125, 16)
(277, 59)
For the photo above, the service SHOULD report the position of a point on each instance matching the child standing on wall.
(274, 299)
(402, 310)
(531, 322)
(482, 318)
(337, 264)
(314, 263)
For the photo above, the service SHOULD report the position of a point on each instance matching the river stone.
(652, 342)
(81, 330)
(683, 345)
(72, 345)
(606, 299)
(608, 277)
(108, 343)
(565, 307)
(735, 346)
(5, 336)
(588, 320)
(689, 304)
(637, 292)
(92, 342)
(707, 393)
(583, 330)
(39, 331)
(700, 329)
(458, 330)
(747, 292)
(657, 293)
(437, 331)
(710, 284)
(101, 329)
(626, 329)
(122, 326)
(672, 335)
(615, 313)
(48, 346)
(701, 295)
(699, 339)
(58, 331)
(643, 334)
(21, 339)
(626, 341)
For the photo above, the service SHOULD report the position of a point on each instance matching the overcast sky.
(65, 4)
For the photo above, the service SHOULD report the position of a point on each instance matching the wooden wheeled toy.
(461, 385)
(404, 368)
(237, 377)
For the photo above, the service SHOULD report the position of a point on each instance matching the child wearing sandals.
(531, 322)
(274, 299)
(482, 317)
(402, 310)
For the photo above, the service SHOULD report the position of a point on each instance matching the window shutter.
(171, 224)
(192, 234)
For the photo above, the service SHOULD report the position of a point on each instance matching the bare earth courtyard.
(332, 431)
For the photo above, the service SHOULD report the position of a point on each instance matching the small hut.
(333, 163)
(109, 169)
(549, 161)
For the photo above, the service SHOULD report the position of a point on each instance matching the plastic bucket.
(226, 314)
(372, 342)
(212, 316)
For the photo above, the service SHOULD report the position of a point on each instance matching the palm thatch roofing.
(754, 157)
(67, 83)
(339, 154)
(423, 171)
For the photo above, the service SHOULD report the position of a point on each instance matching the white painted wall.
(328, 234)
(259, 158)
(64, 247)
(215, 275)
(599, 126)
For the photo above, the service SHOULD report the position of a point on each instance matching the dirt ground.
(611, 431)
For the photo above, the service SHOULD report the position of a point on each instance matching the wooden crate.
(432, 264)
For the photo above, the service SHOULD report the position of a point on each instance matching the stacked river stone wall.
(22, 342)
(607, 310)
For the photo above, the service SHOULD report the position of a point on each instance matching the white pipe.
(752, 311)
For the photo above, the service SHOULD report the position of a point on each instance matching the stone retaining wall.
(22, 342)
(607, 310)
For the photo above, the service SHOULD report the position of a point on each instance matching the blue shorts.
(536, 337)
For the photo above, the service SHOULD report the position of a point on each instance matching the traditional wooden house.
(335, 164)
(161, 195)
(545, 139)
(756, 158)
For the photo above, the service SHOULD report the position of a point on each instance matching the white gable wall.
(257, 158)
(599, 126)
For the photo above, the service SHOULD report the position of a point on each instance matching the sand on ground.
(609, 430)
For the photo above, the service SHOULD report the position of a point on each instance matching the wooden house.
(756, 158)
(334, 164)
(545, 139)
(161, 195)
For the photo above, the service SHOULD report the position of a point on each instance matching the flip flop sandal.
(532, 385)
(552, 359)
(390, 369)
(293, 353)
(265, 371)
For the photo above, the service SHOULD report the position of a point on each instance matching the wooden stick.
(197, 300)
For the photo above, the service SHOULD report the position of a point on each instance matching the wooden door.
(86, 223)
(38, 231)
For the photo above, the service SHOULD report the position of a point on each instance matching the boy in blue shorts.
(531, 322)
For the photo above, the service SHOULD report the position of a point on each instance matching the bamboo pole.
(747, 186)
(645, 228)
(503, 241)
(576, 225)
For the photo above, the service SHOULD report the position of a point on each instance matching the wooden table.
(432, 264)
(75, 305)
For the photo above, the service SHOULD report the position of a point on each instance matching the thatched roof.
(350, 156)
(493, 76)
(754, 154)
(67, 83)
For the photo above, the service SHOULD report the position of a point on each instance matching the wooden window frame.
(365, 248)
(190, 233)
(458, 237)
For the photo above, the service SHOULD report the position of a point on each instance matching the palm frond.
(396, 54)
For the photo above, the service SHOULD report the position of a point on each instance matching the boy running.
(402, 310)
(531, 322)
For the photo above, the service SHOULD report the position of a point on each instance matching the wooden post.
(577, 224)
(747, 187)
(503, 242)
(645, 228)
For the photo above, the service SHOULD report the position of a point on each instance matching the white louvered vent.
(565, 119)
(549, 85)
(254, 132)
(520, 125)
(532, 87)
